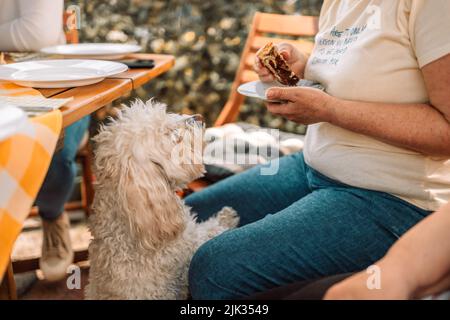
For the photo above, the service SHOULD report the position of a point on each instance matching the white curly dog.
(143, 235)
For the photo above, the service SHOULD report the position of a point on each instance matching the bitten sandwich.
(277, 65)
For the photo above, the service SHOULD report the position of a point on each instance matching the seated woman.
(375, 162)
(29, 26)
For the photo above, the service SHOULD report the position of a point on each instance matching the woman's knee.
(209, 272)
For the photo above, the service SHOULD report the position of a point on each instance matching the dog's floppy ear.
(148, 201)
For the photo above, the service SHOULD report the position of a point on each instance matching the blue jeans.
(295, 225)
(58, 184)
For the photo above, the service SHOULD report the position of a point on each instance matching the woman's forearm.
(418, 127)
(423, 254)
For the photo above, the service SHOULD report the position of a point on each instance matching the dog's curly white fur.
(143, 235)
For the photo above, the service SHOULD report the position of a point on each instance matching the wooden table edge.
(163, 64)
(167, 64)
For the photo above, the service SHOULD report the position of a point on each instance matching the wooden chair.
(265, 28)
(84, 156)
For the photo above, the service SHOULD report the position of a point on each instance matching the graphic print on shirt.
(332, 45)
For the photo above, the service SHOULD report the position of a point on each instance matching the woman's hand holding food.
(302, 105)
(294, 58)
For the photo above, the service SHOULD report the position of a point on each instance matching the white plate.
(257, 89)
(104, 51)
(60, 73)
(11, 121)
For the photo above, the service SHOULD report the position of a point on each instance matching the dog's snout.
(191, 119)
(198, 117)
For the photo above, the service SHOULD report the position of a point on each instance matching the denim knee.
(208, 273)
(200, 271)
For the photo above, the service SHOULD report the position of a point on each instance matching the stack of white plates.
(73, 72)
(103, 51)
(60, 73)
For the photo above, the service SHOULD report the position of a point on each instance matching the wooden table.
(89, 99)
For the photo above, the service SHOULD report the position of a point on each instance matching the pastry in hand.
(277, 65)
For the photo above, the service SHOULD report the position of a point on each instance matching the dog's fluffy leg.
(228, 218)
(225, 219)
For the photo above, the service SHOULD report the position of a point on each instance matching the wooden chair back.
(263, 30)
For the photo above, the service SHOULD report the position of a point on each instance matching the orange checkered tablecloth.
(24, 161)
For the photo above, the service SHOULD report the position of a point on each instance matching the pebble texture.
(206, 37)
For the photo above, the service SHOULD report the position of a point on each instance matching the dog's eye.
(191, 122)
(195, 121)
(177, 135)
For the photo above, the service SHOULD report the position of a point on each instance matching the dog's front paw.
(228, 217)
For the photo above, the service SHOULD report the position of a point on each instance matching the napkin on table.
(34, 105)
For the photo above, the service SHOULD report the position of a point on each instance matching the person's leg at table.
(332, 230)
(57, 253)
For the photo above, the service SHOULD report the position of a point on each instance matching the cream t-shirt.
(372, 50)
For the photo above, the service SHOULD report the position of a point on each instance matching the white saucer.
(59, 73)
(103, 51)
(257, 89)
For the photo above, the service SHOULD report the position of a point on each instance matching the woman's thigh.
(330, 231)
(253, 194)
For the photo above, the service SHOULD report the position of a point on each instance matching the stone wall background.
(206, 37)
